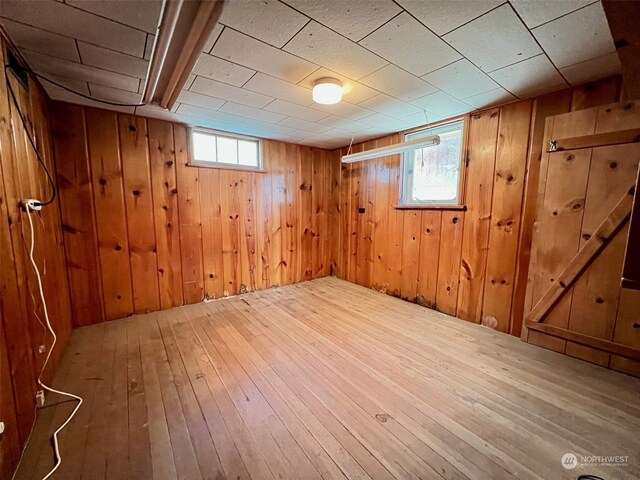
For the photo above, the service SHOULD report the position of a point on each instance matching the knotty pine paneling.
(165, 233)
(472, 264)
(21, 335)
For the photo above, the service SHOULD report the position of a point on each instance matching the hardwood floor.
(328, 379)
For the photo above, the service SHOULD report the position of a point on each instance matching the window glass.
(431, 175)
(210, 147)
(247, 152)
(227, 150)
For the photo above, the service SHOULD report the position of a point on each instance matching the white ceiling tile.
(141, 14)
(526, 78)
(254, 54)
(389, 106)
(442, 16)
(355, 19)
(577, 37)
(320, 45)
(268, 127)
(461, 79)
(343, 123)
(427, 51)
(63, 68)
(72, 83)
(308, 127)
(199, 100)
(213, 115)
(41, 41)
(56, 93)
(297, 111)
(113, 61)
(381, 122)
(398, 83)
(114, 95)
(442, 104)
(153, 111)
(60, 18)
(206, 86)
(494, 40)
(593, 69)
(274, 87)
(490, 98)
(215, 33)
(250, 112)
(417, 120)
(217, 69)
(344, 109)
(148, 48)
(190, 79)
(268, 20)
(352, 91)
(537, 12)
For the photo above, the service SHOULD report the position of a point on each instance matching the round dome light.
(327, 91)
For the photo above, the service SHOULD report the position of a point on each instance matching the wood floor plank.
(327, 379)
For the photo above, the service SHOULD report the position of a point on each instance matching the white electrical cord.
(29, 206)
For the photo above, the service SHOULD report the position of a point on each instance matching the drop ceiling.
(402, 62)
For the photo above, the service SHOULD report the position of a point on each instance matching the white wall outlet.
(40, 397)
(32, 204)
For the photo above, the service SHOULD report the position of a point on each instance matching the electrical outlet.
(40, 397)
(31, 204)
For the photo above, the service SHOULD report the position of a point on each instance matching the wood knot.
(628, 106)
(169, 163)
(586, 236)
(132, 128)
(570, 158)
(382, 417)
(136, 193)
(599, 300)
(102, 181)
(555, 213)
(613, 164)
(455, 220)
(428, 230)
(118, 248)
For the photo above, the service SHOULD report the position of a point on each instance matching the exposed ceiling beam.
(184, 29)
(622, 17)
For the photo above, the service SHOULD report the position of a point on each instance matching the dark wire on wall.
(31, 140)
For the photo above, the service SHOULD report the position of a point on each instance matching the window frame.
(221, 165)
(464, 164)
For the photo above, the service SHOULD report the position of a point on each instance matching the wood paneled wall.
(472, 264)
(21, 334)
(144, 231)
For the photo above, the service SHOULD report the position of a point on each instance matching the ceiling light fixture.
(327, 91)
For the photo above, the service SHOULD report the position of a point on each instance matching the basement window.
(432, 176)
(223, 150)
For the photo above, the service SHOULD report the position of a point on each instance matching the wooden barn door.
(574, 302)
